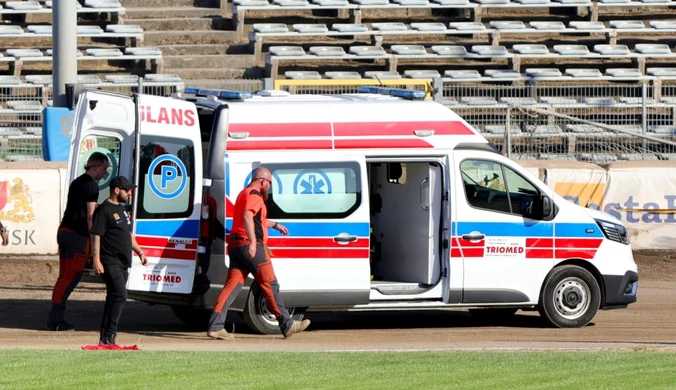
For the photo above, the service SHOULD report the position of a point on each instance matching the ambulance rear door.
(167, 202)
(105, 122)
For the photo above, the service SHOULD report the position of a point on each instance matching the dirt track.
(25, 290)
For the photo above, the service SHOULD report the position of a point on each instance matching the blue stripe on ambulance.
(317, 229)
(520, 229)
(168, 228)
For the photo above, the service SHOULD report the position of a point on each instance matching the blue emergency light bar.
(220, 93)
(402, 93)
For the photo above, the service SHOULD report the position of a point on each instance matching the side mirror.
(536, 207)
(547, 206)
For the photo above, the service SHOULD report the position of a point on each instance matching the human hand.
(98, 267)
(252, 250)
(282, 229)
(5, 239)
(142, 256)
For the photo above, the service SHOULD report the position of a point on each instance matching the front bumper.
(620, 290)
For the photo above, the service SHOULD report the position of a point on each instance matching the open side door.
(105, 122)
(322, 199)
(167, 203)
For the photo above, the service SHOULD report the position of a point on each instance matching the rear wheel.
(570, 297)
(192, 315)
(259, 318)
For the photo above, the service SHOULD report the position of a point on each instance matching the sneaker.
(297, 327)
(62, 326)
(221, 335)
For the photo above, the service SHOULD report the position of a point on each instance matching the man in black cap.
(73, 237)
(112, 244)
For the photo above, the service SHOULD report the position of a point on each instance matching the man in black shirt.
(112, 243)
(73, 237)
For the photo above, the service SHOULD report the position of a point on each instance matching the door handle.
(424, 193)
(344, 239)
(473, 236)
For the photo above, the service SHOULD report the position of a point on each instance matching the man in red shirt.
(249, 253)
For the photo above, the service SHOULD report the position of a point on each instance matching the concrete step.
(179, 50)
(208, 61)
(170, 3)
(215, 74)
(155, 38)
(171, 12)
(187, 24)
(195, 50)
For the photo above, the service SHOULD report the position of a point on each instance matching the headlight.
(613, 232)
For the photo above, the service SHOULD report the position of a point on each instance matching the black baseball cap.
(121, 182)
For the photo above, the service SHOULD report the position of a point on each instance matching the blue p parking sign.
(169, 187)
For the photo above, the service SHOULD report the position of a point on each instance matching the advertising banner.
(29, 208)
(643, 196)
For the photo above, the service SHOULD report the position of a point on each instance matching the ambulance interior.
(406, 217)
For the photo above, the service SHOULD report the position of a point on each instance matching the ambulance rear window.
(165, 186)
(314, 190)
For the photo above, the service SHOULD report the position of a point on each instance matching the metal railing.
(21, 107)
(328, 86)
(647, 109)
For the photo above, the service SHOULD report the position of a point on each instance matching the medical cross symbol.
(312, 182)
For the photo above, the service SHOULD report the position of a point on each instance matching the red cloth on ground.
(108, 347)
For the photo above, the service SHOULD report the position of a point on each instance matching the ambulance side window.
(109, 146)
(165, 185)
(495, 187)
(314, 190)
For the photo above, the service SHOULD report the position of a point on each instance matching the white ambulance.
(393, 202)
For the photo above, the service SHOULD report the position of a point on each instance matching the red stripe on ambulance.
(539, 243)
(587, 243)
(399, 128)
(166, 253)
(347, 253)
(320, 242)
(320, 144)
(163, 242)
(282, 129)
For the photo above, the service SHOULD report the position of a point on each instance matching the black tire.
(192, 315)
(258, 317)
(570, 297)
(493, 314)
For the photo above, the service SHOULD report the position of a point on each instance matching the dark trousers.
(73, 254)
(264, 275)
(115, 277)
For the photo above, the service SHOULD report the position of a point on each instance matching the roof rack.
(219, 93)
(396, 92)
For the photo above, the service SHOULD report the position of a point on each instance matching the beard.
(122, 198)
(266, 194)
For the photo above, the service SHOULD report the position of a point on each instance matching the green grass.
(97, 370)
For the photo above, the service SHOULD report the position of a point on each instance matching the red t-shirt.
(249, 200)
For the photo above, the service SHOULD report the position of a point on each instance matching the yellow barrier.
(329, 86)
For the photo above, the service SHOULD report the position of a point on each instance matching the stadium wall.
(641, 194)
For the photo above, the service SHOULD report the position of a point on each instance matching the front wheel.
(570, 297)
(258, 317)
